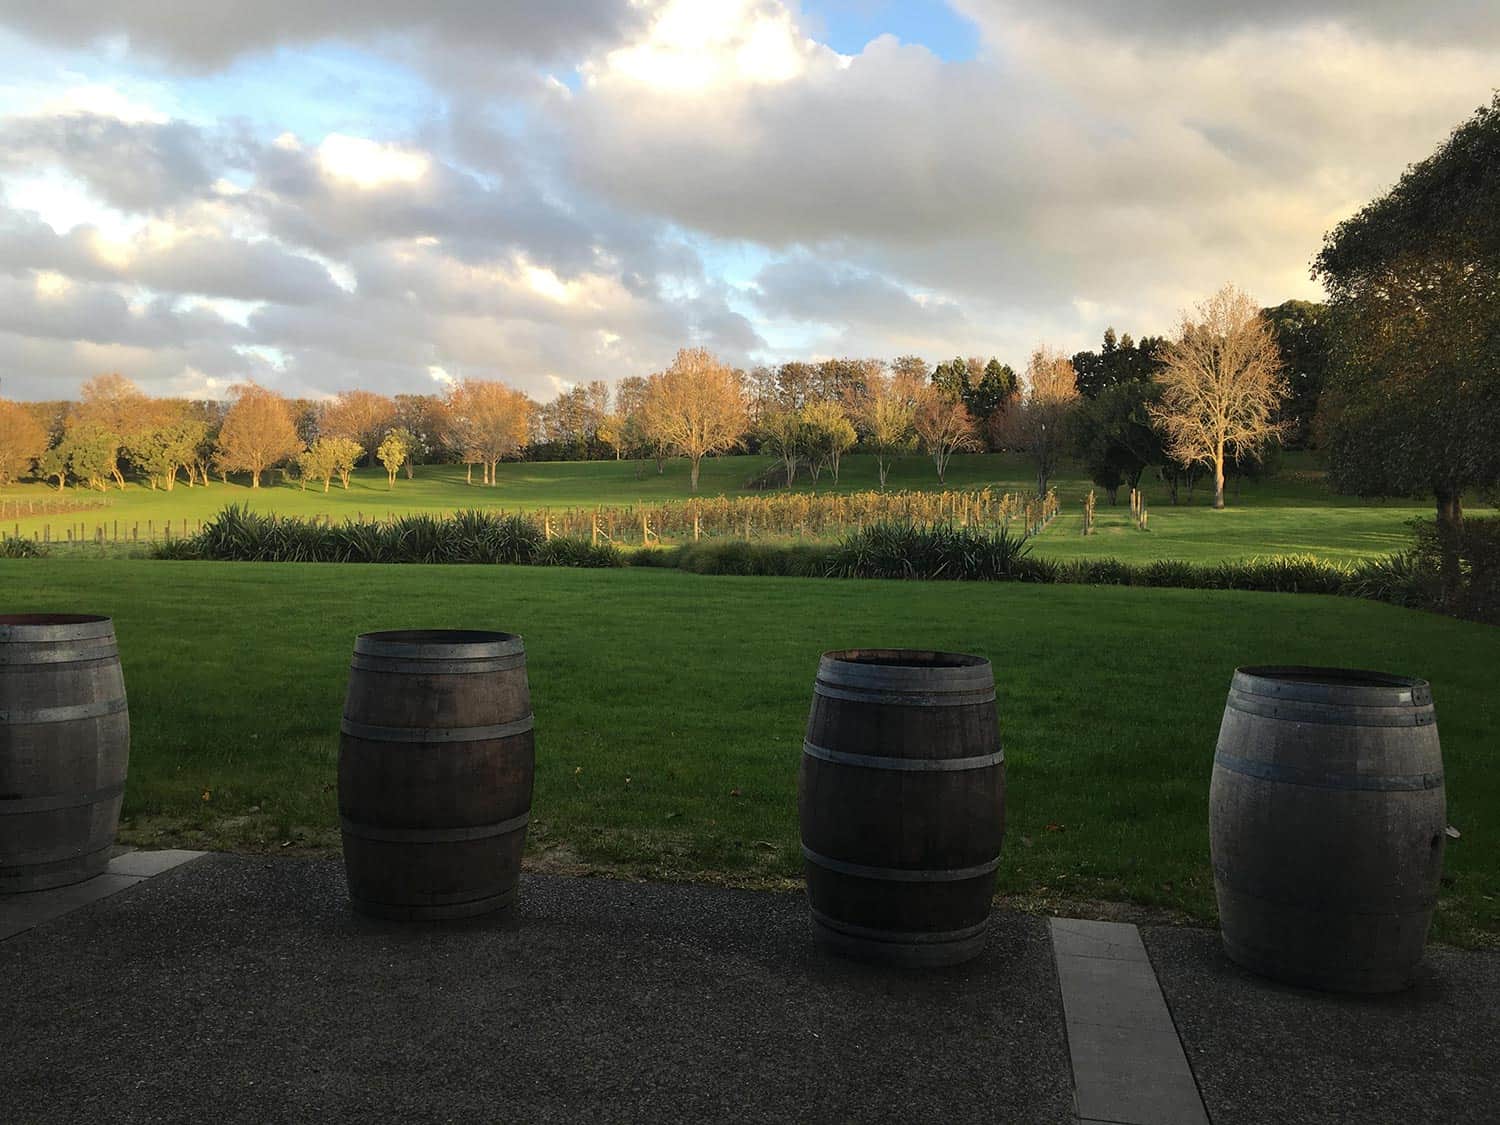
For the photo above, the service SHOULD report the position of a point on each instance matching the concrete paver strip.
(149, 863)
(22, 912)
(244, 989)
(1128, 1066)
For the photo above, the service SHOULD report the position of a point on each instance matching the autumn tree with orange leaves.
(258, 432)
(695, 407)
(487, 422)
(361, 416)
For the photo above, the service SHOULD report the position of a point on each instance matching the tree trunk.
(1450, 529)
(254, 478)
(1114, 495)
(833, 464)
(470, 478)
(880, 464)
(693, 487)
(1219, 476)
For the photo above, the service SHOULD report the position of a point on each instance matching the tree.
(394, 452)
(1301, 334)
(421, 417)
(1413, 281)
(828, 433)
(343, 453)
(886, 417)
(1039, 423)
(488, 422)
(695, 407)
(1221, 385)
(22, 440)
(952, 378)
(172, 444)
(1113, 436)
(910, 369)
(636, 436)
(783, 434)
(316, 463)
(1119, 360)
(943, 426)
(112, 407)
(91, 453)
(53, 465)
(361, 416)
(257, 433)
(991, 395)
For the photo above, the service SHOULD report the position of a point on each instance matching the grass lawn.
(1293, 514)
(670, 707)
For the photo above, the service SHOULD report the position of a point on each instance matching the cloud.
(1446, 21)
(809, 290)
(209, 36)
(577, 190)
(143, 166)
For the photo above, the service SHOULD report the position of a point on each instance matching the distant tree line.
(1097, 407)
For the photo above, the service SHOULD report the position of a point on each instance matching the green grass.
(696, 690)
(1293, 514)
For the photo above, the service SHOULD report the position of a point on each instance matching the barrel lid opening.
(440, 644)
(1331, 677)
(440, 637)
(46, 619)
(905, 658)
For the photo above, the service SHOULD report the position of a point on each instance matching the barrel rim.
(439, 644)
(24, 628)
(905, 659)
(1318, 684)
(906, 676)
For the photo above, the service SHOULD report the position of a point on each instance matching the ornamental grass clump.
(940, 551)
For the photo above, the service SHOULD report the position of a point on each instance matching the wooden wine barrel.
(64, 748)
(436, 760)
(902, 804)
(1327, 822)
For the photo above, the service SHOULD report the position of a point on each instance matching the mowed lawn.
(1292, 514)
(670, 707)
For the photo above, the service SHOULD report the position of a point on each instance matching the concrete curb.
(22, 912)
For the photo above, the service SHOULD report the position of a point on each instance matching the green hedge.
(901, 551)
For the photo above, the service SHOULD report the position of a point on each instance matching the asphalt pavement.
(244, 989)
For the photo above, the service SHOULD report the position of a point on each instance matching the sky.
(322, 194)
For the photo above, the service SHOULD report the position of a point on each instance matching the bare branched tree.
(885, 417)
(1221, 385)
(1038, 424)
(944, 427)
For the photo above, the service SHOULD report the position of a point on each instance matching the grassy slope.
(696, 690)
(1291, 515)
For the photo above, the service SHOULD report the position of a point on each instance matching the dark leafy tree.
(1112, 435)
(952, 378)
(1302, 338)
(1413, 399)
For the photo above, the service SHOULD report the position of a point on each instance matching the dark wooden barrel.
(902, 804)
(64, 748)
(1326, 822)
(436, 760)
